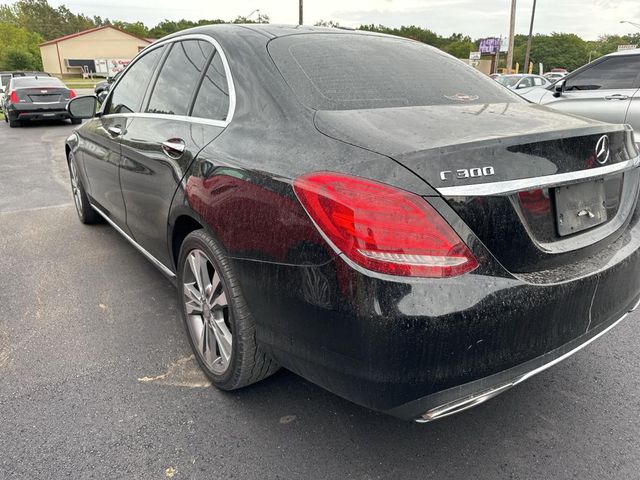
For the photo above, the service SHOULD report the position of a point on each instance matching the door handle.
(617, 96)
(115, 131)
(174, 147)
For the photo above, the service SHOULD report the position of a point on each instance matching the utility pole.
(512, 28)
(526, 56)
(300, 12)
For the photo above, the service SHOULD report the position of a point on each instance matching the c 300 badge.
(464, 173)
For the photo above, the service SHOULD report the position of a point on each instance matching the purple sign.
(489, 45)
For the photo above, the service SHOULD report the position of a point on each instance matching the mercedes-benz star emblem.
(602, 150)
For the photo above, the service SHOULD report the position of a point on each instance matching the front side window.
(179, 77)
(128, 95)
(612, 73)
(213, 97)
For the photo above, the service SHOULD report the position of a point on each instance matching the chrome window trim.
(161, 266)
(509, 187)
(207, 121)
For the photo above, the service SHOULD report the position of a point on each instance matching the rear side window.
(128, 94)
(179, 77)
(4, 79)
(213, 97)
(612, 73)
(358, 71)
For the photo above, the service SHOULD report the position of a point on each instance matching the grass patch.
(81, 85)
(1, 115)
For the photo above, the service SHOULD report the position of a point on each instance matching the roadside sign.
(490, 45)
(626, 47)
(474, 55)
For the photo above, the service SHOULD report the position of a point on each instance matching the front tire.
(86, 214)
(221, 330)
(75, 121)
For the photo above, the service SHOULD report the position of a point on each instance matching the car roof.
(634, 51)
(229, 32)
(520, 75)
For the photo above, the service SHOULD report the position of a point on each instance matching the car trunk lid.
(528, 181)
(43, 95)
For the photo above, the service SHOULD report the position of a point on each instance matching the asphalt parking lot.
(97, 378)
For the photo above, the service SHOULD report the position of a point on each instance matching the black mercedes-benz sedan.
(363, 210)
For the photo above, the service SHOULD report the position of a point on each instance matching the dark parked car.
(106, 84)
(364, 210)
(6, 76)
(36, 98)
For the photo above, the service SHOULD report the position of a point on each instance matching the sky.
(476, 18)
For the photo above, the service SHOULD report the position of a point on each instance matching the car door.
(602, 91)
(99, 139)
(633, 114)
(186, 109)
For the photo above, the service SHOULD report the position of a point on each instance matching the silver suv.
(607, 89)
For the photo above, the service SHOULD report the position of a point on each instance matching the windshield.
(36, 82)
(508, 80)
(356, 71)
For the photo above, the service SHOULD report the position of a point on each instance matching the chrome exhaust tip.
(462, 404)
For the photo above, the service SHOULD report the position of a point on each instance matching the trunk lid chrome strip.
(509, 187)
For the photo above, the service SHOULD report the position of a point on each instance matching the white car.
(607, 89)
(522, 82)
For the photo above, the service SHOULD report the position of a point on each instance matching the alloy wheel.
(207, 310)
(75, 184)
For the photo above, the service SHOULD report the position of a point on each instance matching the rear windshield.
(359, 71)
(36, 82)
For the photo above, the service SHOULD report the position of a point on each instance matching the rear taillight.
(13, 97)
(72, 93)
(383, 228)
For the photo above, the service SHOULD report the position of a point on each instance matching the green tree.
(17, 58)
(138, 28)
(18, 44)
(458, 45)
(39, 17)
(324, 23)
(167, 27)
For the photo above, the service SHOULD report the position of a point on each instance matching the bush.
(16, 58)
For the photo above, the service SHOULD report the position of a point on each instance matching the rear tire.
(14, 123)
(221, 330)
(86, 213)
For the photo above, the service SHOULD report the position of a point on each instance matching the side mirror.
(102, 96)
(83, 107)
(110, 79)
(558, 88)
(521, 85)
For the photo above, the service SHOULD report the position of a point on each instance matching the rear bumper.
(406, 347)
(53, 111)
(457, 399)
